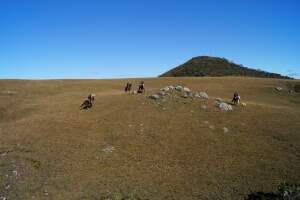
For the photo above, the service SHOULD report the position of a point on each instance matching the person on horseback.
(236, 98)
(141, 87)
(128, 87)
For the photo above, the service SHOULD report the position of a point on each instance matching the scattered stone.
(8, 92)
(171, 87)
(108, 149)
(206, 122)
(154, 96)
(184, 96)
(196, 95)
(279, 89)
(7, 187)
(4, 153)
(203, 95)
(225, 130)
(162, 93)
(204, 107)
(15, 172)
(46, 192)
(185, 89)
(165, 89)
(219, 99)
(225, 107)
(179, 88)
(164, 109)
(212, 127)
(243, 104)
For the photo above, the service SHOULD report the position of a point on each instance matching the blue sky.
(41, 39)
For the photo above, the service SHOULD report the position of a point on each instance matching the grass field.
(127, 145)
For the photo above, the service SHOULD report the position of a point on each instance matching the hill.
(136, 147)
(215, 66)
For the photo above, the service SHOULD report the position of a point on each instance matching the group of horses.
(88, 102)
(141, 88)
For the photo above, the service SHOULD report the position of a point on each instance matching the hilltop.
(215, 66)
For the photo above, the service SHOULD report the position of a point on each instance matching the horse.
(91, 97)
(236, 98)
(88, 102)
(141, 87)
(128, 87)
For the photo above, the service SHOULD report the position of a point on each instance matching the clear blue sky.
(42, 39)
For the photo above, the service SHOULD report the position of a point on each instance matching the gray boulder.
(162, 93)
(279, 89)
(179, 88)
(154, 96)
(184, 96)
(203, 95)
(219, 99)
(171, 87)
(165, 89)
(225, 107)
(185, 89)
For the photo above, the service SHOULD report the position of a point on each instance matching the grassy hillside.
(214, 66)
(129, 146)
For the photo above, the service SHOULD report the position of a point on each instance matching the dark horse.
(88, 103)
(236, 98)
(128, 87)
(141, 87)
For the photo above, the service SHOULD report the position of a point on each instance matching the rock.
(225, 107)
(171, 87)
(212, 127)
(206, 122)
(7, 186)
(279, 89)
(154, 96)
(8, 92)
(179, 88)
(162, 93)
(165, 89)
(219, 99)
(185, 96)
(15, 173)
(196, 95)
(243, 104)
(203, 95)
(108, 149)
(185, 89)
(225, 130)
(204, 107)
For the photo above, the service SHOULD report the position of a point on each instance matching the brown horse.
(88, 102)
(128, 87)
(236, 98)
(141, 87)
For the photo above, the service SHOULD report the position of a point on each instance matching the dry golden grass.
(52, 150)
